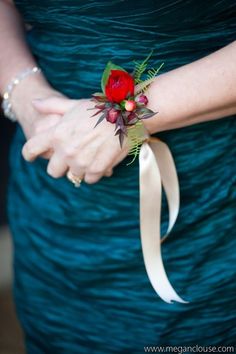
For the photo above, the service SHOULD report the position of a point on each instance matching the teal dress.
(80, 283)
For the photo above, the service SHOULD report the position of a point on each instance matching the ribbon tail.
(169, 179)
(150, 221)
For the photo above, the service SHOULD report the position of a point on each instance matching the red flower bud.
(112, 115)
(142, 99)
(130, 106)
(119, 85)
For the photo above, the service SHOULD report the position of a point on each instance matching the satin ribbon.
(157, 168)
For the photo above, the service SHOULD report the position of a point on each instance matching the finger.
(57, 105)
(80, 173)
(91, 178)
(95, 177)
(106, 158)
(109, 172)
(57, 167)
(46, 123)
(98, 170)
(80, 159)
(36, 146)
(47, 155)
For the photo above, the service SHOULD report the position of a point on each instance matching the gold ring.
(76, 180)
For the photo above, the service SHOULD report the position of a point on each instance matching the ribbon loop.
(157, 168)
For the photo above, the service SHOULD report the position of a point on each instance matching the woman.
(80, 283)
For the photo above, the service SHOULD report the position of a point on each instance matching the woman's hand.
(89, 152)
(15, 58)
(38, 106)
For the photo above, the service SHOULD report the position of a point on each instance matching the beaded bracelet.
(6, 103)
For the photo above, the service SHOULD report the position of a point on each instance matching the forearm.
(15, 58)
(201, 91)
(15, 55)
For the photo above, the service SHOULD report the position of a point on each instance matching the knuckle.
(59, 134)
(39, 127)
(91, 179)
(97, 168)
(56, 139)
(81, 164)
(69, 151)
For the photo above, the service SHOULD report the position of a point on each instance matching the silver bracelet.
(6, 103)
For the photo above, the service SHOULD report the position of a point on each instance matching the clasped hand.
(76, 144)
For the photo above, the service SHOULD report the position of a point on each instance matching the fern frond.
(153, 72)
(134, 150)
(136, 136)
(143, 85)
(140, 68)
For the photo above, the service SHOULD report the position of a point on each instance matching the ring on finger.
(76, 180)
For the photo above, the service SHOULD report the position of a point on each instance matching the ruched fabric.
(80, 283)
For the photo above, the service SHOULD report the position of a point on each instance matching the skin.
(62, 129)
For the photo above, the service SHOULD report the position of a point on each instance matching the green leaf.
(106, 73)
(149, 115)
(99, 94)
(143, 110)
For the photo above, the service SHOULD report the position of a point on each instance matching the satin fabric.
(80, 282)
(157, 168)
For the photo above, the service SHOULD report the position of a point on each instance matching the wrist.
(162, 98)
(33, 87)
(154, 124)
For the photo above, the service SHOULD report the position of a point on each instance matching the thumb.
(53, 105)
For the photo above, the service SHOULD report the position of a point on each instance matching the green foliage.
(136, 136)
(151, 74)
(140, 68)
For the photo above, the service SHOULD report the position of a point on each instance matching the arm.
(200, 91)
(15, 58)
(197, 92)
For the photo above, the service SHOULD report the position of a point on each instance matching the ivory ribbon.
(157, 168)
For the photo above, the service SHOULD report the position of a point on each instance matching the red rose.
(119, 85)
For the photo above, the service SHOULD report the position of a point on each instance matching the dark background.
(11, 338)
(6, 132)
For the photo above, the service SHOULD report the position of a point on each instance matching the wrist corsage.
(123, 102)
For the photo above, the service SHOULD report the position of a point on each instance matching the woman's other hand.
(38, 107)
(88, 151)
